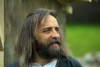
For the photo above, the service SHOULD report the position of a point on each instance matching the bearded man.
(40, 42)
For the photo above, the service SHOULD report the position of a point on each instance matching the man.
(40, 42)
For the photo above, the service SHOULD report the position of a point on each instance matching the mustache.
(54, 41)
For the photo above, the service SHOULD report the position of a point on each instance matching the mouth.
(55, 44)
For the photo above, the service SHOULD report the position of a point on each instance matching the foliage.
(83, 38)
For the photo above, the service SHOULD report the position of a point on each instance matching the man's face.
(48, 38)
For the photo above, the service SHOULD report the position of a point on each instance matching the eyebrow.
(47, 28)
(50, 27)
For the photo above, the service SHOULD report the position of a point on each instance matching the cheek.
(45, 40)
(41, 38)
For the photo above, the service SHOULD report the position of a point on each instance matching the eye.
(47, 30)
(57, 29)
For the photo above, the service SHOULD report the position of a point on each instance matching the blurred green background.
(83, 38)
(83, 28)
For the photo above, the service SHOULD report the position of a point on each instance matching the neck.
(40, 60)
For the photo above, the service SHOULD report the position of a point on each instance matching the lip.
(55, 44)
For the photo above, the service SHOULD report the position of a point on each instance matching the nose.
(55, 34)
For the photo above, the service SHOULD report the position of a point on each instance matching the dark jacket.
(63, 62)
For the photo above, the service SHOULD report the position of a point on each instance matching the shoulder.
(73, 62)
(67, 61)
(15, 64)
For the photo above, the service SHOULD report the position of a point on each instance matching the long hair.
(24, 48)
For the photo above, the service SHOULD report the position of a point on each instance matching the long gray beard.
(47, 52)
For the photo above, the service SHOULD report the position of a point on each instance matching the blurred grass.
(82, 39)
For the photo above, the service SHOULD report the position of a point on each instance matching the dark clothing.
(63, 62)
(68, 62)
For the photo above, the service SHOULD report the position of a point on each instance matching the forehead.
(49, 20)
